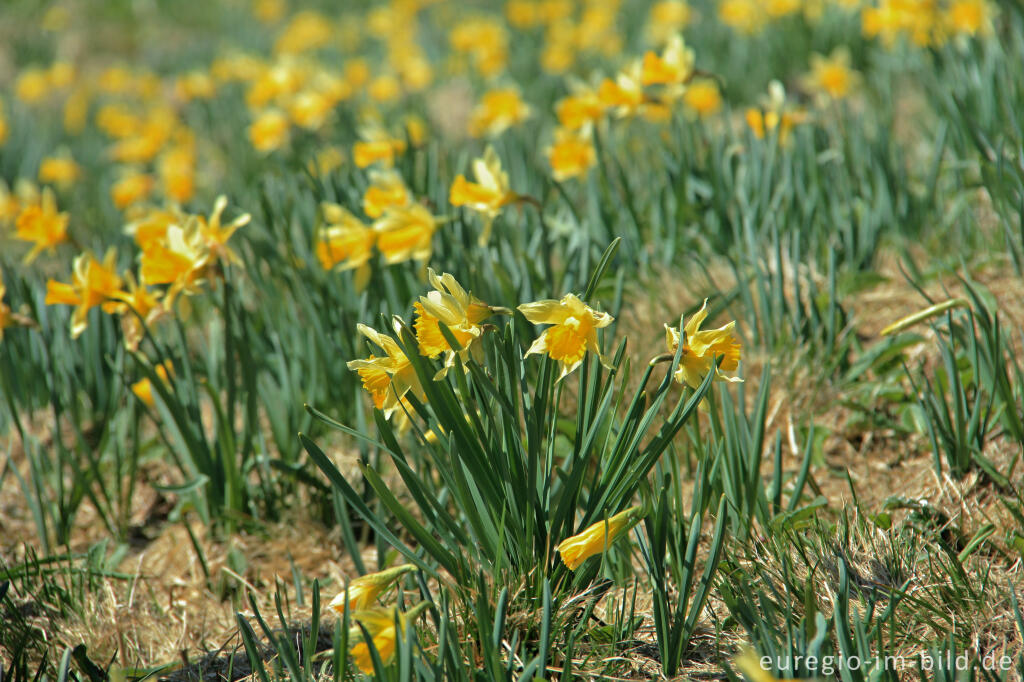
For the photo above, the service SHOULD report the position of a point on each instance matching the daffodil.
(133, 187)
(459, 310)
(381, 625)
(498, 111)
(6, 316)
(361, 593)
(59, 170)
(143, 388)
(176, 169)
(673, 67)
(488, 195)
(582, 108)
(571, 154)
(215, 236)
(625, 93)
(345, 240)
(178, 260)
(701, 348)
(406, 233)
(572, 333)
(269, 131)
(597, 538)
(387, 378)
(774, 116)
(138, 307)
(376, 146)
(666, 19)
(702, 97)
(832, 76)
(41, 223)
(386, 190)
(93, 283)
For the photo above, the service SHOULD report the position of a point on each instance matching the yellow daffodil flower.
(460, 311)
(40, 222)
(498, 111)
(406, 233)
(702, 97)
(143, 388)
(59, 170)
(132, 188)
(673, 67)
(597, 538)
(380, 624)
(215, 236)
(386, 190)
(347, 241)
(488, 195)
(93, 283)
(571, 155)
(138, 307)
(831, 76)
(269, 131)
(573, 331)
(363, 591)
(700, 348)
(387, 379)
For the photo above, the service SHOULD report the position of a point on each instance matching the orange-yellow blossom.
(701, 348)
(572, 333)
(597, 538)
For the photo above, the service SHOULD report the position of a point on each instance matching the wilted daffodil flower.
(597, 538)
(488, 195)
(92, 283)
(387, 379)
(363, 591)
(700, 348)
(460, 311)
(573, 331)
(380, 624)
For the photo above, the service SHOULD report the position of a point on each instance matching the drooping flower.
(597, 538)
(488, 195)
(571, 154)
(388, 378)
(459, 310)
(362, 592)
(573, 331)
(701, 348)
(380, 624)
(406, 233)
(41, 223)
(93, 283)
(179, 260)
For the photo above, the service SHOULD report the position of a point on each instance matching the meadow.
(512, 340)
